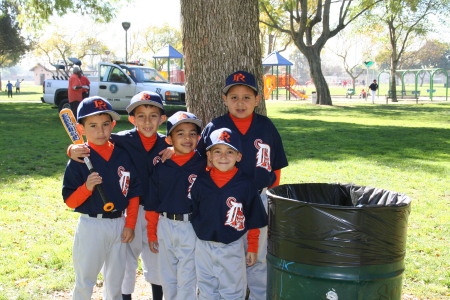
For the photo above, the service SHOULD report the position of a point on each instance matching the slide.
(284, 81)
(297, 94)
(290, 87)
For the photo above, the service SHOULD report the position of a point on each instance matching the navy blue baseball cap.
(224, 136)
(146, 97)
(240, 78)
(95, 105)
(182, 117)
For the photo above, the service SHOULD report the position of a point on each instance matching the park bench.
(404, 95)
(350, 93)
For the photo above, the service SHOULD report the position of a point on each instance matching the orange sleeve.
(132, 213)
(152, 218)
(277, 180)
(253, 239)
(78, 197)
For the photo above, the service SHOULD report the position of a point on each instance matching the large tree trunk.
(219, 38)
(323, 92)
(393, 85)
(393, 78)
(394, 59)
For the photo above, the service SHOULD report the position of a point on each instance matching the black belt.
(177, 217)
(107, 215)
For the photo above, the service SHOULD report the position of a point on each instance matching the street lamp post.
(126, 26)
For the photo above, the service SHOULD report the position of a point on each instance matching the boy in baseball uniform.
(143, 143)
(101, 237)
(226, 207)
(169, 208)
(263, 155)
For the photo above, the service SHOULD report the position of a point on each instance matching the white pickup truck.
(117, 83)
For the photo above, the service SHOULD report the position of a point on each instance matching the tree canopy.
(33, 13)
(12, 44)
(18, 14)
(58, 47)
(311, 24)
(401, 22)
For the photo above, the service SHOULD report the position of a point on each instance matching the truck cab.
(118, 83)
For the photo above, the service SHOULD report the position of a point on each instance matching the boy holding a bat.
(101, 236)
(143, 143)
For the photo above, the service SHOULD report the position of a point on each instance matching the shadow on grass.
(388, 145)
(34, 141)
(382, 111)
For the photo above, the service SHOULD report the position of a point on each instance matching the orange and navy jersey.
(225, 214)
(171, 183)
(262, 148)
(120, 181)
(130, 141)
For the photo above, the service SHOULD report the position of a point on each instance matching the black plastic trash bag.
(342, 225)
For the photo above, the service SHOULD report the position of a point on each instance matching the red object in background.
(177, 77)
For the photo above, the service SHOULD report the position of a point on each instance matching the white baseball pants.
(221, 270)
(98, 244)
(176, 259)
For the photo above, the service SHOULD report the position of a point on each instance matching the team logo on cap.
(146, 96)
(100, 104)
(224, 136)
(239, 77)
(235, 215)
(182, 116)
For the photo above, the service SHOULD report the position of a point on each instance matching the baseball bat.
(69, 123)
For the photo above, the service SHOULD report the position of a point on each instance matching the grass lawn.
(398, 147)
(28, 92)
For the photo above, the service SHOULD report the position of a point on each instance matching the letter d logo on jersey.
(124, 180)
(263, 155)
(191, 180)
(235, 215)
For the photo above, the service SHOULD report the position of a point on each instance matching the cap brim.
(193, 121)
(226, 88)
(131, 107)
(115, 116)
(223, 143)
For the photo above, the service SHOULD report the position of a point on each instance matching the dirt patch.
(142, 291)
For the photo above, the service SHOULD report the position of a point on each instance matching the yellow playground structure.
(274, 82)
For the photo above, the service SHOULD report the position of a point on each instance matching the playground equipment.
(416, 92)
(276, 81)
(168, 52)
(272, 82)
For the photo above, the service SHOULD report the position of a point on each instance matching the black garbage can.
(336, 241)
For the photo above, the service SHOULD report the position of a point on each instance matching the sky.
(151, 12)
(145, 13)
